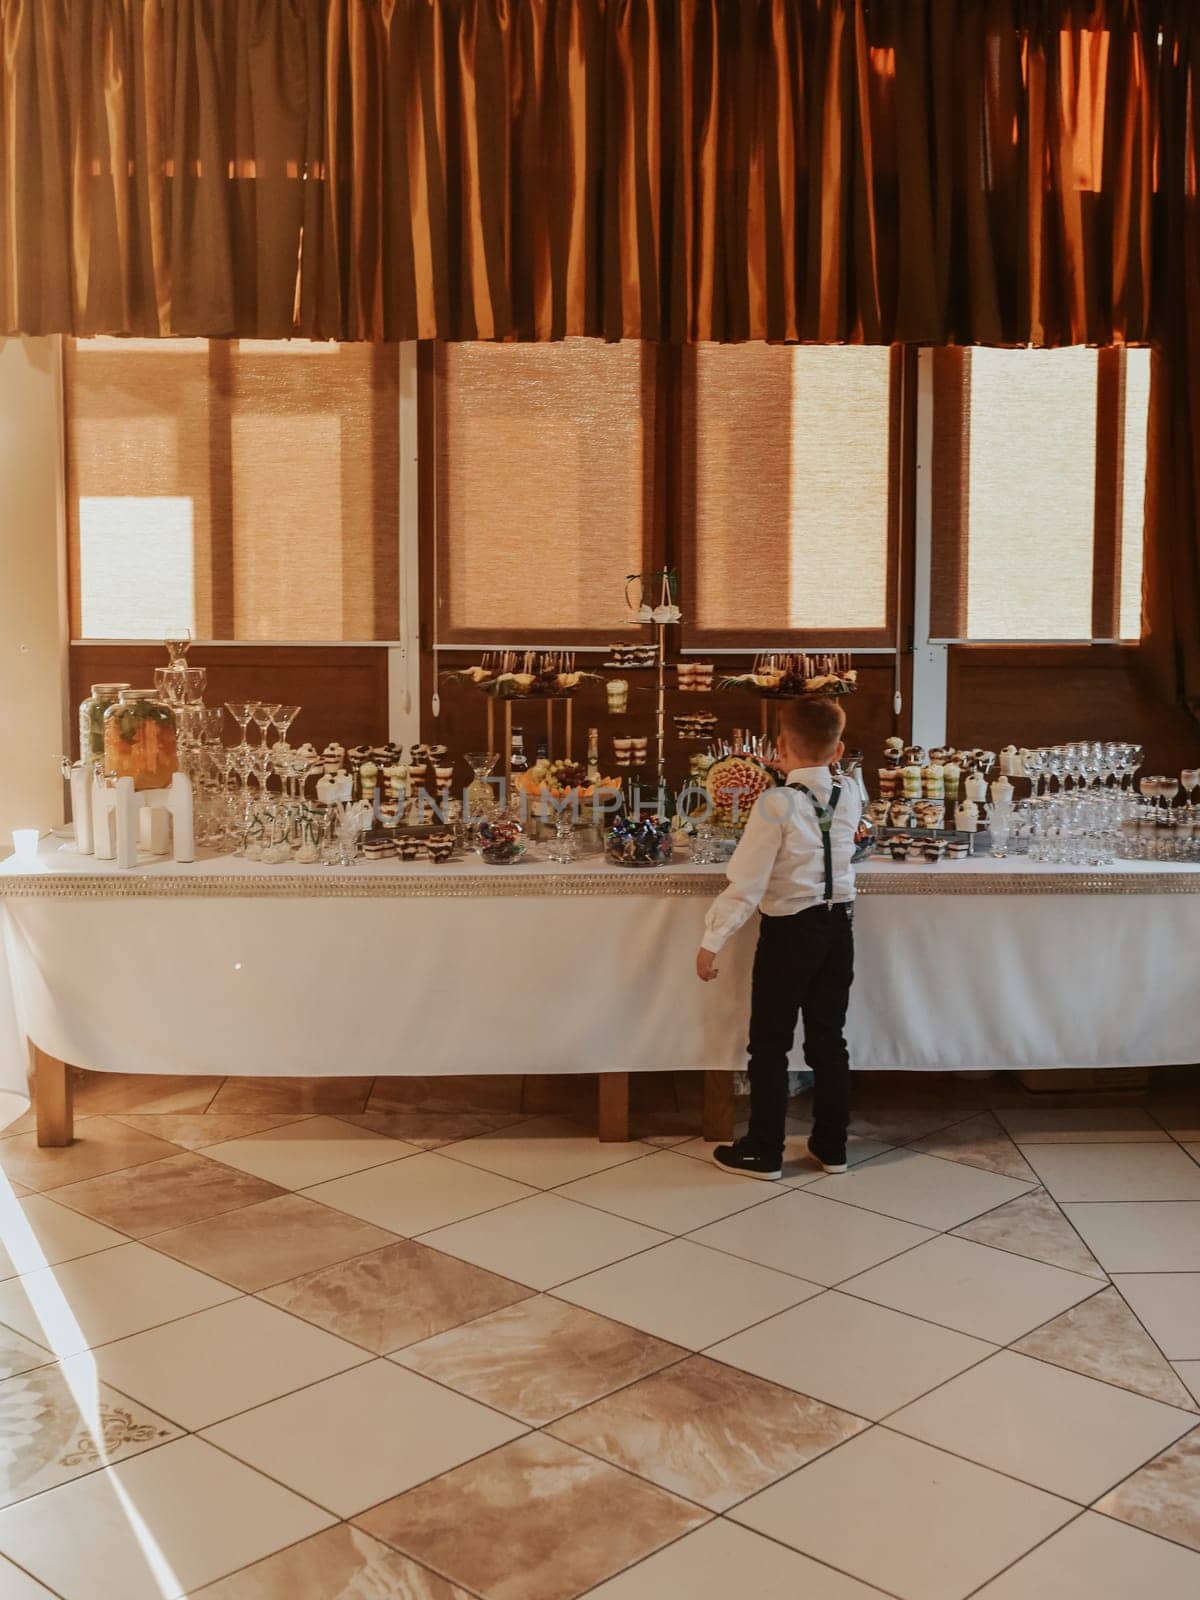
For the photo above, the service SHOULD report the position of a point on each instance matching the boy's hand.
(706, 965)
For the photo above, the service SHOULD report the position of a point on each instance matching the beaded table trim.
(667, 882)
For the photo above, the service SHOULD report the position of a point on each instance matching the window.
(246, 490)
(789, 501)
(1039, 470)
(544, 499)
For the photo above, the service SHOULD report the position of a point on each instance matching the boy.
(795, 862)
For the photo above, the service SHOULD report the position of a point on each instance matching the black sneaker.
(828, 1154)
(748, 1158)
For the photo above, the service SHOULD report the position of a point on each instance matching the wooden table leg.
(717, 1120)
(52, 1093)
(614, 1107)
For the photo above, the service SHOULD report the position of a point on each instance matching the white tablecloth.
(228, 966)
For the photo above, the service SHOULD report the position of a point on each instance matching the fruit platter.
(525, 674)
(734, 783)
(791, 677)
(565, 780)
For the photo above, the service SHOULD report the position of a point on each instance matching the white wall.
(32, 631)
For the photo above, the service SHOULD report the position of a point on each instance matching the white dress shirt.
(779, 864)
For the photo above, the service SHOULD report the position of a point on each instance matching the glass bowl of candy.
(500, 840)
(640, 842)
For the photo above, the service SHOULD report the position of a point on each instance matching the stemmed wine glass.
(264, 715)
(1190, 779)
(1035, 765)
(241, 711)
(1169, 789)
(283, 719)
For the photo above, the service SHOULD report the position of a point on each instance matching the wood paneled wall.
(342, 691)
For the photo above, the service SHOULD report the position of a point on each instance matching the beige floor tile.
(991, 1294)
(980, 1142)
(271, 1242)
(687, 1294)
(424, 1191)
(156, 1527)
(38, 1232)
(1189, 1372)
(19, 1355)
(431, 1129)
(1102, 1338)
(395, 1296)
(545, 1152)
(921, 1189)
(206, 1367)
(936, 1527)
(668, 1191)
(343, 1563)
(1094, 1558)
(301, 1154)
(538, 1359)
(1059, 1431)
(57, 1423)
(1168, 1306)
(720, 1561)
(849, 1353)
(535, 1521)
(352, 1441)
(489, 1092)
(544, 1240)
(164, 1194)
(816, 1239)
(1164, 1496)
(101, 1145)
(1116, 1171)
(195, 1130)
(1129, 1236)
(18, 1585)
(277, 1096)
(16, 1114)
(106, 1296)
(107, 1094)
(1032, 1225)
(1080, 1125)
(707, 1431)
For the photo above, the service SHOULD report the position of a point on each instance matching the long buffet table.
(388, 968)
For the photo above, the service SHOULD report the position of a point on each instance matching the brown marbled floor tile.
(1164, 1495)
(105, 1094)
(980, 1142)
(1102, 1338)
(51, 1432)
(708, 1432)
(271, 1242)
(1032, 1225)
(540, 1358)
(280, 1096)
(18, 1354)
(501, 1092)
(101, 1145)
(158, 1195)
(343, 1563)
(429, 1129)
(194, 1130)
(395, 1296)
(534, 1520)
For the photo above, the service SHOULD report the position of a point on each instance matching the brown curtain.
(834, 170)
(1171, 578)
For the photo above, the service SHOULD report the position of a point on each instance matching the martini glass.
(264, 715)
(283, 719)
(241, 711)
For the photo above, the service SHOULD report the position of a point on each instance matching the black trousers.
(804, 966)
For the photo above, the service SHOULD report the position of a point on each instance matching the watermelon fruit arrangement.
(734, 783)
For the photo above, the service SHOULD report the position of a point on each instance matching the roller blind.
(789, 501)
(1039, 476)
(545, 486)
(243, 489)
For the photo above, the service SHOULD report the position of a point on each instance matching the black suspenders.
(825, 822)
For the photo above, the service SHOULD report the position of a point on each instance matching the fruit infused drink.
(139, 739)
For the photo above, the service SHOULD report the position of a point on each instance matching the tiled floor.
(395, 1340)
